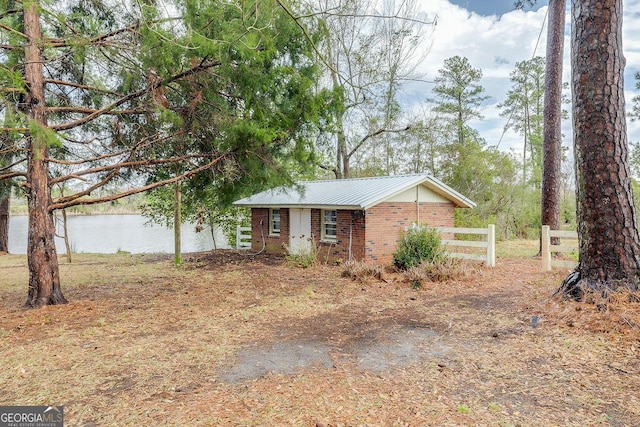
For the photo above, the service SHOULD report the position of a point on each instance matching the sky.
(494, 36)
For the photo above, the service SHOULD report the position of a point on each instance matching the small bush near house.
(304, 258)
(418, 245)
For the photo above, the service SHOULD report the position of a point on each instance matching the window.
(274, 221)
(329, 225)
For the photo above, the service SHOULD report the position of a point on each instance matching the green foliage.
(524, 108)
(464, 161)
(459, 94)
(463, 409)
(634, 159)
(303, 258)
(44, 135)
(635, 109)
(231, 84)
(514, 209)
(418, 245)
(568, 208)
(257, 111)
(200, 206)
(11, 78)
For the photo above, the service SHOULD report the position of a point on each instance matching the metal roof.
(357, 193)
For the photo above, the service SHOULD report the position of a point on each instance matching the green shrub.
(418, 245)
(304, 258)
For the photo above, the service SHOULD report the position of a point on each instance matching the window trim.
(324, 223)
(272, 230)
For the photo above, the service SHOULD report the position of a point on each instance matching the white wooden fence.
(548, 248)
(488, 244)
(243, 239)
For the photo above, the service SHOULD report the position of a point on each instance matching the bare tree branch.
(128, 165)
(81, 86)
(55, 42)
(13, 175)
(12, 30)
(376, 133)
(81, 110)
(59, 205)
(141, 144)
(21, 130)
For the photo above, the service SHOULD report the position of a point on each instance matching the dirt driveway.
(236, 340)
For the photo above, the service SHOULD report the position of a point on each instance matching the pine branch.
(198, 68)
(84, 110)
(128, 165)
(61, 205)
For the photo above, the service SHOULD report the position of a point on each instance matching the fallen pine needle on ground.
(228, 339)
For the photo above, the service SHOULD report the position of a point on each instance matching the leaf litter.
(233, 340)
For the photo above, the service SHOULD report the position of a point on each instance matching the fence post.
(546, 248)
(238, 236)
(491, 245)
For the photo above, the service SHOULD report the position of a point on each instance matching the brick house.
(358, 219)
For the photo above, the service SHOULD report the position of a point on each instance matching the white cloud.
(494, 44)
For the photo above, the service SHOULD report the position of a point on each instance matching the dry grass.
(519, 248)
(446, 269)
(363, 271)
(145, 343)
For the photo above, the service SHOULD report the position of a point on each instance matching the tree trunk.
(44, 277)
(65, 229)
(4, 221)
(552, 129)
(177, 223)
(212, 228)
(609, 253)
(342, 160)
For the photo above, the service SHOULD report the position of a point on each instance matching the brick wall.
(273, 242)
(374, 243)
(349, 223)
(386, 220)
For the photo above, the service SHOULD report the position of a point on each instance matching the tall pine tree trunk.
(609, 254)
(552, 130)
(44, 277)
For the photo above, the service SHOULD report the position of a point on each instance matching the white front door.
(299, 231)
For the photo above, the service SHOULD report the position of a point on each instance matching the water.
(112, 233)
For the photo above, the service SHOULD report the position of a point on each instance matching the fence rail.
(243, 240)
(547, 248)
(488, 244)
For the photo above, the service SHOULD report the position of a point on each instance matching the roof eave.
(299, 206)
(458, 199)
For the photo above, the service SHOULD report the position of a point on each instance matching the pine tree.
(114, 98)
